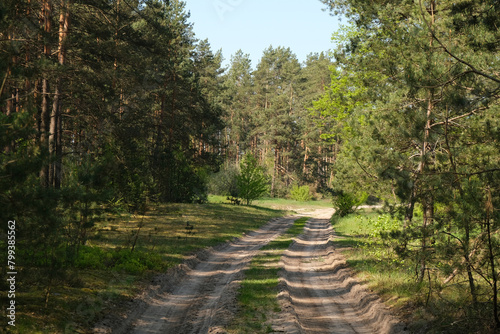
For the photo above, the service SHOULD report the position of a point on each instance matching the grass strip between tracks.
(257, 295)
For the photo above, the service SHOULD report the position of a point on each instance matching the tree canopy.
(414, 102)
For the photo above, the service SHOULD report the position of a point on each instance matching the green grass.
(372, 258)
(280, 203)
(107, 273)
(429, 307)
(258, 292)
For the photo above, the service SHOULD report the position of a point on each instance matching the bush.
(345, 203)
(224, 182)
(92, 258)
(302, 193)
(252, 181)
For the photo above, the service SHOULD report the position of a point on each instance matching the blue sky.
(254, 25)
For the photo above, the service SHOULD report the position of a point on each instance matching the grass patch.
(257, 295)
(280, 203)
(432, 306)
(372, 258)
(107, 271)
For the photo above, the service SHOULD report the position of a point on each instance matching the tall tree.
(276, 87)
(318, 153)
(239, 104)
(422, 82)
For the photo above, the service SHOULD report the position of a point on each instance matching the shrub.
(345, 203)
(92, 258)
(252, 182)
(120, 259)
(302, 193)
(224, 182)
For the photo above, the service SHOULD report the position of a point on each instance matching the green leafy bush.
(252, 181)
(92, 258)
(302, 193)
(346, 203)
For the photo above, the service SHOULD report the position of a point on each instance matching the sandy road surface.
(319, 294)
(203, 300)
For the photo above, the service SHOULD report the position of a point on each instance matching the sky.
(254, 25)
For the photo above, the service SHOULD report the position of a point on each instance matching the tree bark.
(44, 112)
(427, 201)
(55, 151)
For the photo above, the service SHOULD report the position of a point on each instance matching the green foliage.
(134, 263)
(415, 135)
(252, 182)
(224, 182)
(360, 239)
(267, 111)
(301, 193)
(116, 112)
(346, 203)
(86, 195)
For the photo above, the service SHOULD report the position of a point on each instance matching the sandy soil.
(199, 297)
(318, 293)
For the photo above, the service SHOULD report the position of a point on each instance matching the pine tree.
(420, 82)
(276, 88)
(239, 106)
(317, 153)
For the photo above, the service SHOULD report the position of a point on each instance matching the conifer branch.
(364, 170)
(473, 112)
(445, 49)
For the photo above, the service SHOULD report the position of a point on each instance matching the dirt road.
(318, 295)
(199, 297)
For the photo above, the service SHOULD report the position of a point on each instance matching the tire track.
(319, 294)
(199, 302)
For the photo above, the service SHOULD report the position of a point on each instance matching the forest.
(115, 106)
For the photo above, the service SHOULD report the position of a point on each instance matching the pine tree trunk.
(306, 156)
(55, 141)
(427, 202)
(44, 112)
(466, 243)
(428, 212)
(275, 167)
(53, 131)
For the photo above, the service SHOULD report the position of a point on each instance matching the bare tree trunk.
(428, 211)
(55, 117)
(53, 131)
(275, 167)
(427, 202)
(306, 157)
(44, 112)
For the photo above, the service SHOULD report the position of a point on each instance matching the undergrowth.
(433, 306)
(121, 254)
